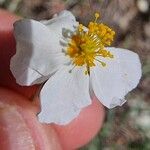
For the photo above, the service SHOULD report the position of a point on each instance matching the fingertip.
(82, 129)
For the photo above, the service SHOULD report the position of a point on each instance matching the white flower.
(74, 64)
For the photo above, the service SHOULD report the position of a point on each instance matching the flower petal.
(64, 20)
(63, 96)
(34, 50)
(121, 75)
(28, 76)
(130, 65)
(62, 27)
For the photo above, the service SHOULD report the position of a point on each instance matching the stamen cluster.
(87, 44)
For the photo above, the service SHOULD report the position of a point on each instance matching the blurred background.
(127, 127)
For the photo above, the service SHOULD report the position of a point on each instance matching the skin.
(19, 127)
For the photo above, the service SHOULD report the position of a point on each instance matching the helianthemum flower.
(74, 62)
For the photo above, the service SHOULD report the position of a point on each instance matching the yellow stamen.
(97, 15)
(80, 28)
(87, 47)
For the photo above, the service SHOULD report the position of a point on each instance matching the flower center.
(87, 45)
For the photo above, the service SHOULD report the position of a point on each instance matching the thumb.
(19, 128)
(7, 50)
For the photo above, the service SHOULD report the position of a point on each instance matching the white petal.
(64, 20)
(121, 75)
(34, 50)
(63, 96)
(130, 66)
(62, 27)
(28, 76)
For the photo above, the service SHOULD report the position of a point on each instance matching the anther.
(97, 15)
